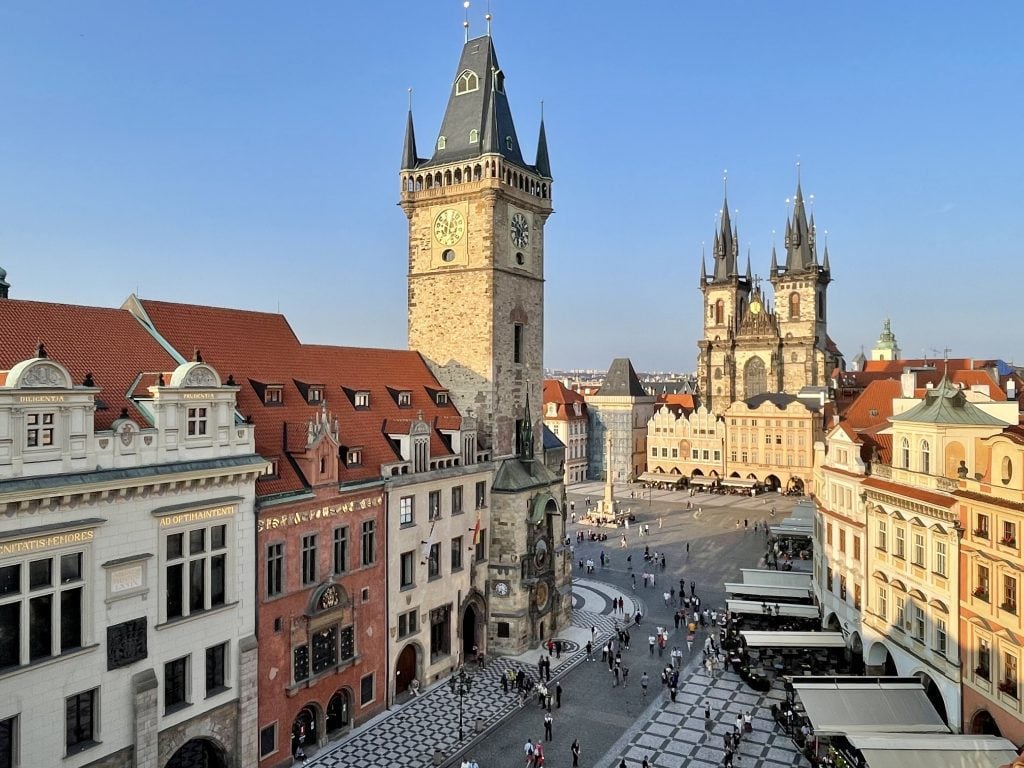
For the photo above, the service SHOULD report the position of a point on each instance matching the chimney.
(1011, 389)
(908, 383)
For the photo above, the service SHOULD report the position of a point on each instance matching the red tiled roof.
(109, 343)
(897, 366)
(262, 347)
(556, 392)
(873, 406)
(684, 400)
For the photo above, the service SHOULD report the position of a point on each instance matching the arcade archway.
(934, 695)
(305, 727)
(339, 714)
(405, 668)
(984, 724)
(198, 753)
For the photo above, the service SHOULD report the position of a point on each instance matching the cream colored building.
(127, 552)
(566, 415)
(622, 409)
(684, 444)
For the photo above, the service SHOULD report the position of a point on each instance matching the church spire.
(543, 164)
(775, 262)
(726, 248)
(703, 271)
(799, 238)
(750, 276)
(409, 157)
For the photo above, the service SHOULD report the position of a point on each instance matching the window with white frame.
(883, 535)
(926, 457)
(919, 549)
(901, 542)
(39, 429)
(941, 636)
(434, 505)
(195, 570)
(196, 421)
(81, 720)
(42, 608)
(883, 601)
(405, 510)
(940, 557)
(905, 453)
(900, 612)
(918, 622)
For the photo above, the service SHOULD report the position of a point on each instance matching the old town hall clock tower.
(476, 213)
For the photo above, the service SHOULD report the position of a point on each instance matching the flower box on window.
(981, 533)
(1008, 606)
(981, 672)
(1008, 541)
(1009, 687)
(981, 592)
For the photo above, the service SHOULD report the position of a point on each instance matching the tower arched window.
(821, 306)
(467, 83)
(755, 377)
(794, 306)
(474, 137)
(905, 451)
(926, 457)
(719, 312)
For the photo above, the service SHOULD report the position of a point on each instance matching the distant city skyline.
(247, 155)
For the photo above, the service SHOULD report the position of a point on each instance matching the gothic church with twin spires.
(751, 347)
(477, 211)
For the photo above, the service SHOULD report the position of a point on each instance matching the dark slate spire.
(478, 119)
(799, 238)
(703, 271)
(726, 248)
(750, 276)
(824, 265)
(409, 158)
(543, 161)
(4, 285)
(775, 263)
(526, 441)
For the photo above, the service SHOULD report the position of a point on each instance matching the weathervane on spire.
(487, 18)
(798, 170)
(465, 22)
(410, 99)
(725, 181)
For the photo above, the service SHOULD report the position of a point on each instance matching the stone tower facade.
(749, 347)
(477, 212)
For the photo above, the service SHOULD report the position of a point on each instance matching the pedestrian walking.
(645, 763)
(558, 695)
(538, 755)
(650, 643)
(529, 752)
(504, 683)
(590, 650)
(575, 749)
(616, 683)
(300, 754)
(643, 683)
(625, 676)
(548, 722)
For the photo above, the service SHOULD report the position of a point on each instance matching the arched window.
(467, 83)
(441, 142)
(474, 136)
(755, 377)
(905, 450)
(926, 457)
(794, 306)
(719, 312)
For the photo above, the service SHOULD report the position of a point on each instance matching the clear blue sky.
(246, 154)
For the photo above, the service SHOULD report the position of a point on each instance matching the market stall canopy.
(917, 750)
(784, 609)
(852, 705)
(701, 480)
(791, 531)
(661, 477)
(794, 640)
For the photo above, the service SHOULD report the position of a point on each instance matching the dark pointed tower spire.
(526, 439)
(750, 276)
(543, 164)
(703, 270)
(726, 247)
(775, 262)
(799, 238)
(409, 157)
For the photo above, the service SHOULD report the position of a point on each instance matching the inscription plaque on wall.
(127, 578)
(126, 643)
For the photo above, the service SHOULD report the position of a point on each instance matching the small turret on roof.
(409, 158)
(543, 161)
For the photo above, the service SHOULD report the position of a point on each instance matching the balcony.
(1009, 687)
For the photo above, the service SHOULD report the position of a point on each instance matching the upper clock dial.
(755, 307)
(449, 227)
(520, 231)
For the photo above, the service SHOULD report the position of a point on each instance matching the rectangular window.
(9, 742)
(43, 599)
(654, 452)
(434, 562)
(695, 454)
(856, 548)
(175, 684)
(918, 614)
(981, 582)
(1009, 537)
(457, 500)
(196, 575)
(981, 528)
(353, 457)
(309, 559)
(718, 456)
(828, 579)
(273, 395)
(883, 528)
(842, 540)
(856, 596)
(196, 422)
(369, 542)
(983, 667)
(366, 690)
(706, 455)
(268, 740)
(1009, 594)
(919, 549)
(883, 602)
(407, 569)
(898, 617)
(675, 453)
(340, 550)
(275, 569)
(405, 510)
(325, 650)
(481, 545)
(362, 399)
(80, 720)
(481, 494)
(941, 637)
(39, 432)
(828, 534)
(456, 554)
(901, 543)
(842, 586)
(940, 558)
(664, 453)
(408, 624)
(1009, 684)
(517, 342)
(216, 658)
(434, 505)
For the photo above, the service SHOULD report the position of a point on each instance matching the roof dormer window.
(273, 394)
(404, 399)
(441, 398)
(362, 399)
(354, 457)
(552, 409)
(467, 83)
(499, 81)
(315, 394)
(474, 136)
(508, 143)
(441, 142)
(577, 409)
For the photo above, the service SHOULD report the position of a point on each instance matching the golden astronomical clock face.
(449, 227)
(520, 231)
(540, 594)
(755, 307)
(540, 553)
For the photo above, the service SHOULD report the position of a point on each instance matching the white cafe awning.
(738, 482)
(702, 480)
(849, 706)
(661, 477)
(933, 750)
(794, 639)
(767, 577)
(784, 609)
(770, 591)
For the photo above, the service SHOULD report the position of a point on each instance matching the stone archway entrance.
(198, 753)
(339, 715)
(984, 724)
(772, 482)
(470, 627)
(304, 728)
(405, 669)
(934, 695)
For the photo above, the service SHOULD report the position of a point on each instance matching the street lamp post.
(460, 684)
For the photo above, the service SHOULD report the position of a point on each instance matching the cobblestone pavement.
(612, 723)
